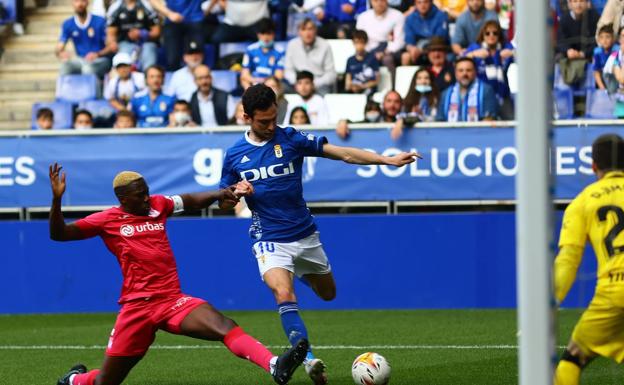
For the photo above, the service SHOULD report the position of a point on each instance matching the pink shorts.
(138, 321)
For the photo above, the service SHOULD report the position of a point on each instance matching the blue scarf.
(467, 110)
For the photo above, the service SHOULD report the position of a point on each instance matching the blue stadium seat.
(9, 6)
(281, 45)
(103, 113)
(563, 103)
(225, 80)
(63, 114)
(229, 48)
(76, 88)
(579, 90)
(599, 105)
(210, 55)
(167, 80)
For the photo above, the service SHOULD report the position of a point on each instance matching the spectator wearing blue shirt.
(602, 52)
(469, 99)
(184, 23)
(261, 59)
(88, 33)
(338, 18)
(421, 25)
(492, 56)
(151, 107)
(469, 24)
(362, 74)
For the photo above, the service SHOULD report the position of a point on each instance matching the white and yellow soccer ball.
(370, 369)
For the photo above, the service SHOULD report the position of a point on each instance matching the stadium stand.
(599, 105)
(403, 77)
(76, 88)
(563, 103)
(342, 50)
(28, 68)
(63, 114)
(225, 80)
(345, 106)
(103, 113)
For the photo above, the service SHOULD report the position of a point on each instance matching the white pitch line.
(317, 347)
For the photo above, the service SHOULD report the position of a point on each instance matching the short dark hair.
(265, 25)
(126, 114)
(359, 34)
(608, 152)
(305, 75)
(45, 112)
(157, 68)
(465, 59)
(83, 112)
(296, 109)
(606, 29)
(183, 102)
(307, 21)
(258, 97)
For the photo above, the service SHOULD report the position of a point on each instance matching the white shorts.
(305, 256)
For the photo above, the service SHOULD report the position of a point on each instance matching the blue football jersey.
(279, 212)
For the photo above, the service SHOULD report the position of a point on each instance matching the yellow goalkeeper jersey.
(597, 213)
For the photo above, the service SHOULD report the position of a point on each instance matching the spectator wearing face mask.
(261, 59)
(420, 104)
(182, 84)
(83, 120)
(392, 106)
(181, 115)
(372, 114)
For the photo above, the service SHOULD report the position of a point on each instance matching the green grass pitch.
(423, 347)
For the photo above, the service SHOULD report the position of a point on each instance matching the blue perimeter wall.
(464, 260)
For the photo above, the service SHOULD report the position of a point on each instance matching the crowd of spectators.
(463, 50)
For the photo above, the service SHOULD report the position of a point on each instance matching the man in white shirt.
(385, 29)
(182, 84)
(310, 53)
(313, 103)
(241, 17)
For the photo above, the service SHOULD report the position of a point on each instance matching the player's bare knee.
(284, 294)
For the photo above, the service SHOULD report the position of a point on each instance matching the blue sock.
(293, 324)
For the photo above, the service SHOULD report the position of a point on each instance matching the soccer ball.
(370, 369)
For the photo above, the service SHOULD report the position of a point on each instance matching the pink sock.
(245, 346)
(86, 378)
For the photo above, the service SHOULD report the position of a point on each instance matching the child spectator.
(121, 88)
(362, 75)
(421, 25)
(88, 34)
(602, 52)
(299, 116)
(307, 98)
(45, 119)
(181, 115)
(151, 106)
(125, 119)
(83, 120)
(261, 59)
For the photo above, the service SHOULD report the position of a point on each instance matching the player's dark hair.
(608, 152)
(265, 25)
(83, 112)
(606, 29)
(305, 75)
(45, 112)
(360, 35)
(299, 109)
(258, 98)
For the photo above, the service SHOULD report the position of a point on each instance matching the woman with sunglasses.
(492, 56)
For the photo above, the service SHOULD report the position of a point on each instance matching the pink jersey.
(141, 246)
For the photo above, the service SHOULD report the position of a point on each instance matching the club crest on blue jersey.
(278, 151)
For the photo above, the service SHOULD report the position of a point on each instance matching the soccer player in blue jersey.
(286, 240)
